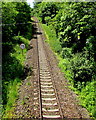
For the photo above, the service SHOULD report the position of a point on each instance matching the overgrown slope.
(16, 29)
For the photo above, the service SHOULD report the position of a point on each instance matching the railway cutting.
(48, 96)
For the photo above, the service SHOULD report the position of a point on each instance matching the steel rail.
(40, 100)
(61, 113)
(50, 69)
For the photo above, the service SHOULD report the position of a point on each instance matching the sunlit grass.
(12, 96)
(51, 38)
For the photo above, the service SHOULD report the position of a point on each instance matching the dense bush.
(20, 39)
(82, 69)
(88, 97)
(47, 10)
(13, 14)
(66, 52)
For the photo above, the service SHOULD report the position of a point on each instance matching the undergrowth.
(13, 71)
(12, 95)
(88, 98)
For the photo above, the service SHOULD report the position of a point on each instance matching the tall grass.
(51, 38)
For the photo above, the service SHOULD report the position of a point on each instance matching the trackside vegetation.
(71, 32)
(16, 29)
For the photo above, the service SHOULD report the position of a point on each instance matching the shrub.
(64, 64)
(66, 52)
(82, 69)
(21, 39)
(88, 97)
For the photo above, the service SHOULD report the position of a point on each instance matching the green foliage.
(82, 68)
(20, 39)
(46, 10)
(13, 34)
(24, 16)
(12, 95)
(8, 14)
(64, 64)
(66, 52)
(47, 19)
(74, 24)
(13, 70)
(12, 14)
(91, 47)
(71, 31)
(79, 71)
(88, 97)
(51, 38)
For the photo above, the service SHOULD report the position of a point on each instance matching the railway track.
(45, 94)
